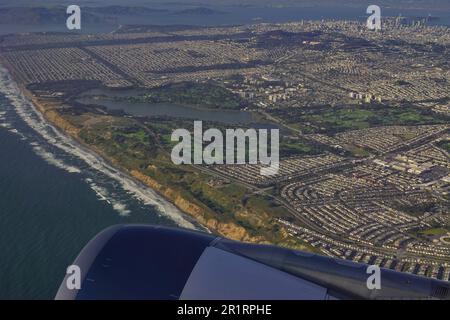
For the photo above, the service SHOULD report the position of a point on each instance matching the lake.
(105, 97)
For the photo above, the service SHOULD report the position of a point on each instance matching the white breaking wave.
(103, 195)
(34, 119)
(121, 208)
(51, 159)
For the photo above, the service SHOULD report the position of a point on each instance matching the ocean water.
(54, 197)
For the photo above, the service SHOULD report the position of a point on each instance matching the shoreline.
(186, 207)
(54, 121)
(189, 211)
(97, 153)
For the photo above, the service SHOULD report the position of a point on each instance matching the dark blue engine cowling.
(152, 262)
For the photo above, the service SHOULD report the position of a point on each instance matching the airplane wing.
(152, 262)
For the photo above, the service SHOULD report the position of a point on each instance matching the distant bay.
(241, 15)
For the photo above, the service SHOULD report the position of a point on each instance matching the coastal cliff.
(49, 110)
(246, 223)
(229, 230)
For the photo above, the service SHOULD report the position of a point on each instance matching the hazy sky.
(426, 4)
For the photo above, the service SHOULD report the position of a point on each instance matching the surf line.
(67, 144)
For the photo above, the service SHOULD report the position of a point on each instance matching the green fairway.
(204, 95)
(331, 120)
(434, 232)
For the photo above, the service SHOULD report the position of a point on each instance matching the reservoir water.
(105, 97)
(54, 197)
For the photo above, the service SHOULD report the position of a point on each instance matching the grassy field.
(444, 145)
(434, 232)
(204, 95)
(288, 146)
(126, 141)
(338, 119)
